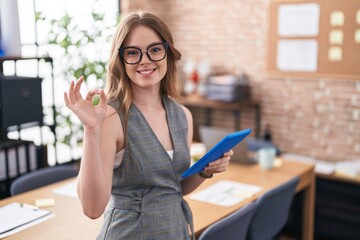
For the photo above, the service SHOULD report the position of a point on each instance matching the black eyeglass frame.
(122, 49)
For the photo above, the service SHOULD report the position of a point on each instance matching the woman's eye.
(132, 53)
(156, 49)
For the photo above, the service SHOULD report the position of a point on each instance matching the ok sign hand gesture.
(91, 116)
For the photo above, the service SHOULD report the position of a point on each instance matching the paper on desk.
(15, 217)
(68, 190)
(324, 167)
(321, 166)
(348, 168)
(226, 193)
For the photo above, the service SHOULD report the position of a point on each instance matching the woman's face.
(146, 73)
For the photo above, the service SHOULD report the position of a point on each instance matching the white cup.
(266, 157)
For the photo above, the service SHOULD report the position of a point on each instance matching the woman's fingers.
(66, 100)
(217, 169)
(74, 91)
(90, 95)
(220, 161)
(71, 93)
(78, 83)
(103, 98)
(219, 165)
(229, 153)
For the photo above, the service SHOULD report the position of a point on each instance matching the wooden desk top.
(70, 222)
(205, 214)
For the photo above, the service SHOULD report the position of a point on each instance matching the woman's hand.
(91, 116)
(219, 165)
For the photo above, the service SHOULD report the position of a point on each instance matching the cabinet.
(337, 210)
(13, 61)
(21, 107)
(208, 106)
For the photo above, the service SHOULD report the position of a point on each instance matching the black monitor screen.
(20, 101)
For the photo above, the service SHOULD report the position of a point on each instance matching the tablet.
(223, 146)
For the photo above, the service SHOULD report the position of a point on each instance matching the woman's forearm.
(93, 184)
(189, 184)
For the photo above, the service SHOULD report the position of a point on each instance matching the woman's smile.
(146, 72)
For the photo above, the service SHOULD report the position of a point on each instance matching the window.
(40, 22)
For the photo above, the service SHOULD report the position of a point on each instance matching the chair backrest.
(41, 177)
(234, 226)
(272, 212)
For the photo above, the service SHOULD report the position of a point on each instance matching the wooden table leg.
(309, 209)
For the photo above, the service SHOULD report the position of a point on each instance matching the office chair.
(272, 211)
(41, 177)
(233, 227)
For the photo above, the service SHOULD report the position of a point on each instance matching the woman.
(136, 141)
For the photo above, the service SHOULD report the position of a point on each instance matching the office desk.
(205, 214)
(70, 223)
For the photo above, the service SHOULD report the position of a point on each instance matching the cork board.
(314, 38)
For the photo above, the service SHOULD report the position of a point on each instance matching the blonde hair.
(118, 85)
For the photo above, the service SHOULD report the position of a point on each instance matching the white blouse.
(119, 157)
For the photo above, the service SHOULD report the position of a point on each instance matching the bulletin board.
(330, 49)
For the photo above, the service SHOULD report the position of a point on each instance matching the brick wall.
(312, 116)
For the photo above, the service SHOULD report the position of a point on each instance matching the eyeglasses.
(133, 55)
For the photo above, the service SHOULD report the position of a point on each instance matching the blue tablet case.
(223, 146)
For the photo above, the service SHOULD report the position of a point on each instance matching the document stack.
(228, 88)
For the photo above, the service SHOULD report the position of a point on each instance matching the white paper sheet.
(324, 167)
(298, 20)
(321, 166)
(226, 193)
(297, 55)
(15, 217)
(349, 168)
(68, 190)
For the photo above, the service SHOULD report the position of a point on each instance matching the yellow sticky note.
(335, 54)
(337, 18)
(358, 17)
(44, 202)
(336, 37)
(357, 36)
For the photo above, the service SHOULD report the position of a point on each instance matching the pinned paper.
(337, 18)
(297, 55)
(336, 37)
(358, 17)
(335, 54)
(298, 19)
(357, 36)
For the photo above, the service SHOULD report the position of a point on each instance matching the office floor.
(286, 237)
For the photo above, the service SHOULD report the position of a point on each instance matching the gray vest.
(146, 199)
